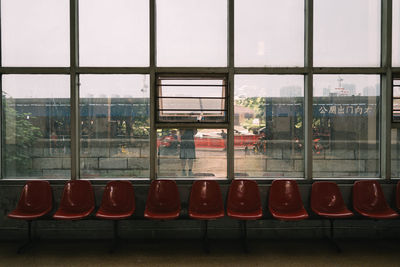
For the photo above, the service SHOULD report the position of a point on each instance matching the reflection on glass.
(188, 99)
(191, 153)
(114, 33)
(396, 153)
(346, 126)
(36, 126)
(269, 135)
(192, 33)
(347, 33)
(114, 125)
(269, 33)
(396, 33)
(396, 101)
(35, 33)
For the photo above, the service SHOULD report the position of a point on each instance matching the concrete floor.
(190, 253)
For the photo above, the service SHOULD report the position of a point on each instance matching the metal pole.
(308, 87)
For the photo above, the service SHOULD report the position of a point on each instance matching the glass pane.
(269, 135)
(191, 153)
(347, 33)
(269, 33)
(35, 33)
(36, 126)
(396, 101)
(189, 99)
(396, 153)
(114, 33)
(192, 33)
(115, 125)
(346, 126)
(396, 33)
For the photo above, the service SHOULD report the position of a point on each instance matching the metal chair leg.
(115, 237)
(243, 224)
(28, 243)
(205, 237)
(332, 240)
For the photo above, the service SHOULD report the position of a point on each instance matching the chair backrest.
(244, 195)
(77, 196)
(368, 196)
(36, 196)
(326, 197)
(118, 196)
(284, 196)
(205, 197)
(163, 196)
(398, 195)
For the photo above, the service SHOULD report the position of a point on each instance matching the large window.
(194, 89)
(263, 38)
(35, 33)
(346, 126)
(114, 33)
(192, 33)
(347, 33)
(115, 124)
(191, 153)
(36, 126)
(269, 135)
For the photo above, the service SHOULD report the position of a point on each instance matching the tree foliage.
(20, 135)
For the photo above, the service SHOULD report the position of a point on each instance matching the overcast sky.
(190, 33)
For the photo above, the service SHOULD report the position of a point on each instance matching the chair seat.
(118, 201)
(369, 200)
(240, 215)
(69, 215)
(205, 201)
(381, 214)
(36, 200)
(285, 202)
(244, 201)
(327, 201)
(335, 214)
(207, 216)
(295, 215)
(163, 201)
(102, 214)
(162, 215)
(26, 215)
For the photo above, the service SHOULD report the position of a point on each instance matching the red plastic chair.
(36, 200)
(369, 200)
(285, 201)
(398, 195)
(77, 201)
(327, 201)
(244, 203)
(163, 201)
(118, 203)
(206, 204)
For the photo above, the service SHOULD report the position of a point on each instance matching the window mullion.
(308, 87)
(74, 93)
(152, 56)
(231, 64)
(386, 89)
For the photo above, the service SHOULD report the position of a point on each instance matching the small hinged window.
(192, 99)
(396, 101)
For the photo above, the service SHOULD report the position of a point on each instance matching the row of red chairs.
(163, 202)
